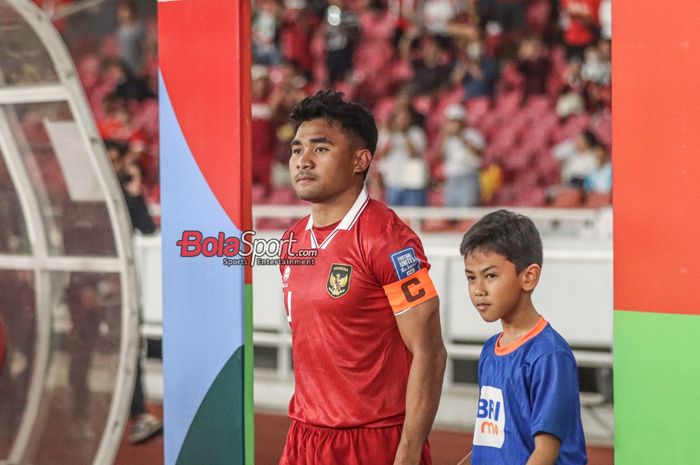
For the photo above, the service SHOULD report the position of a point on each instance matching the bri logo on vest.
(490, 418)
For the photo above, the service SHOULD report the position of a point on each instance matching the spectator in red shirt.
(117, 122)
(263, 128)
(581, 25)
(534, 65)
(296, 31)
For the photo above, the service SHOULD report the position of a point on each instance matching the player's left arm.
(546, 450)
(420, 330)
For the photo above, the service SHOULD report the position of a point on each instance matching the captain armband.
(410, 291)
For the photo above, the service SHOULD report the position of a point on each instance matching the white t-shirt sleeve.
(418, 139)
(474, 138)
(564, 150)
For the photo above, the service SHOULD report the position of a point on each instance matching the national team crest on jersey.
(405, 262)
(490, 418)
(338, 280)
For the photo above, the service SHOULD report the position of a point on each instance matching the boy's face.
(495, 288)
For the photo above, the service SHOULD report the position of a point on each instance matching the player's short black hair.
(506, 233)
(329, 104)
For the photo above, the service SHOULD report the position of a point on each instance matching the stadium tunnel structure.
(68, 299)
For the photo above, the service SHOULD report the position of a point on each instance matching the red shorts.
(313, 445)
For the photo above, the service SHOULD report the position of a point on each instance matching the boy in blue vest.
(529, 411)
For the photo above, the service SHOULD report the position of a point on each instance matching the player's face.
(495, 288)
(323, 163)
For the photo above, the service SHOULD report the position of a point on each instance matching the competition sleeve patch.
(410, 291)
(405, 262)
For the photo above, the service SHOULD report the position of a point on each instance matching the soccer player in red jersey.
(368, 352)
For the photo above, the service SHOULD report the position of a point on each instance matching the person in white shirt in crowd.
(400, 151)
(460, 150)
(578, 158)
(600, 179)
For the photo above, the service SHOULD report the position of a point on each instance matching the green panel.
(657, 388)
(216, 434)
(248, 375)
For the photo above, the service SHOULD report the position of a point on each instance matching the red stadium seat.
(423, 104)
(598, 200)
(435, 225)
(383, 109)
(538, 105)
(477, 108)
(283, 196)
(568, 198)
(462, 226)
(531, 197)
(258, 193)
(507, 103)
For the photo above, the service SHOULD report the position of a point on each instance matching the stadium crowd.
(479, 102)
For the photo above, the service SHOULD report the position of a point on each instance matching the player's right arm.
(400, 266)
(546, 450)
(420, 330)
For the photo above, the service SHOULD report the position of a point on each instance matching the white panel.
(268, 306)
(574, 295)
(147, 250)
(72, 154)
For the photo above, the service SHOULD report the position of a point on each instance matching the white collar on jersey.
(345, 224)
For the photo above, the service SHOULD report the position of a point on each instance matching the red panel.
(656, 155)
(204, 59)
(246, 190)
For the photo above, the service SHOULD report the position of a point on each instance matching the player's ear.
(361, 161)
(530, 276)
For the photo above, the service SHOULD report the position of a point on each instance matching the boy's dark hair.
(506, 233)
(329, 104)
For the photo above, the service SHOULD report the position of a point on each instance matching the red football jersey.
(350, 363)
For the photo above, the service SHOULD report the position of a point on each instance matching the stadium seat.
(598, 200)
(538, 105)
(384, 108)
(568, 198)
(435, 225)
(571, 127)
(258, 193)
(532, 197)
(476, 108)
(282, 196)
(507, 103)
(462, 226)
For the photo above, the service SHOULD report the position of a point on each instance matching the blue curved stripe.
(203, 300)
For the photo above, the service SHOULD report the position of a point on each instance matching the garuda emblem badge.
(338, 280)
